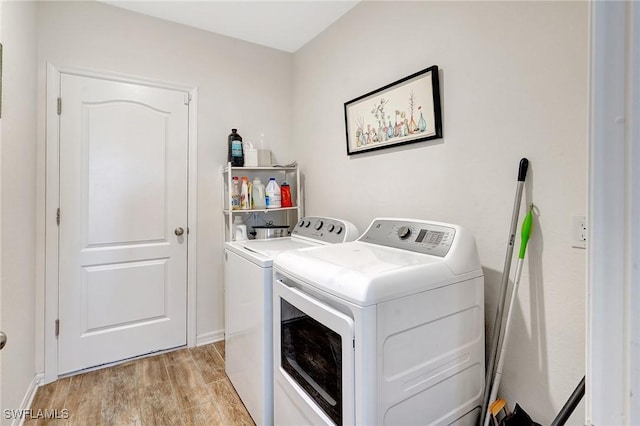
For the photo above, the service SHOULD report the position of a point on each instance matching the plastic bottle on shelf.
(239, 229)
(250, 155)
(264, 154)
(272, 194)
(285, 192)
(236, 155)
(235, 194)
(257, 194)
(244, 195)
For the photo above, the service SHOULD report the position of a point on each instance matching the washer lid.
(367, 274)
(262, 252)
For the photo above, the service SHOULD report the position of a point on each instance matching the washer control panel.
(321, 228)
(421, 237)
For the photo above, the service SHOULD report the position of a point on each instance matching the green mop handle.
(526, 232)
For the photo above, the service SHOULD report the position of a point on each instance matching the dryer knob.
(331, 227)
(404, 232)
(318, 225)
(301, 223)
(338, 229)
(307, 223)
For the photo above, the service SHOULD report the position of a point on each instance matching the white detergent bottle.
(273, 196)
(258, 194)
(239, 229)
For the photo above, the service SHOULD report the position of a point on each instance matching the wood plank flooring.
(183, 388)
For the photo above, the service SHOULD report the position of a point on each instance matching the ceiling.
(284, 25)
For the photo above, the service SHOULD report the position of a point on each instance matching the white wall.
(241, 85)
(18, 200)
(513, 84)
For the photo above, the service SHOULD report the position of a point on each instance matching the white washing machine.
(248, 307)
(388, 329)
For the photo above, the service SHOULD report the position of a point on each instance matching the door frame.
(50, 235)
(613, 249)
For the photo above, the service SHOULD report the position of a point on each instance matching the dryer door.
(313, 360)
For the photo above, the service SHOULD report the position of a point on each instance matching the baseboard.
(28, 398)
(211, 337)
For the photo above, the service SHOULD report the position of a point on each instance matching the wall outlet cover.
(579, 232)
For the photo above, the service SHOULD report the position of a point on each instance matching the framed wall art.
(403, 112)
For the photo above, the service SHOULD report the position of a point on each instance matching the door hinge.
(59, 106)
(187, 98)
(58, 216)
(57, 327)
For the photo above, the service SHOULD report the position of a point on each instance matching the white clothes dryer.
(248, 307)
(385, 330)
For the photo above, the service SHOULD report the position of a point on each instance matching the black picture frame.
(370, 126)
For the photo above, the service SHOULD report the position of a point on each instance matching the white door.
(123, 204)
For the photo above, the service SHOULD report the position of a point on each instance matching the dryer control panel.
(325, 229)
(422, 237)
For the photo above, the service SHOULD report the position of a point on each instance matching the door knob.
(3, 340)
(179, 231)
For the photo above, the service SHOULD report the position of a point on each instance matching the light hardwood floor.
(184, 387)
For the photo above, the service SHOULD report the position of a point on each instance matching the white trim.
(123, 78)
(605, 294)
(51, 203)
(27, 400)
(633, 206)
(633, 106)
(52, 191)
(1, 384)
(210, 337)
(613, 297)
(192, 219)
